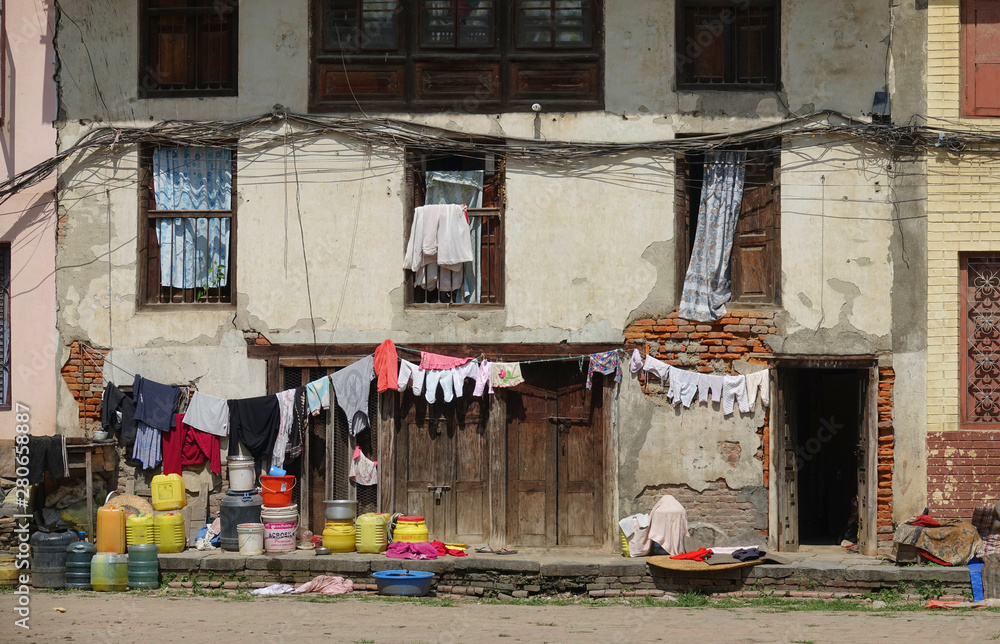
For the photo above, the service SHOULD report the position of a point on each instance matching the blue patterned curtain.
(194, 251)
(459, 187)
(707, 287)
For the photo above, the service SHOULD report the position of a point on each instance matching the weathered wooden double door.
(555, 456)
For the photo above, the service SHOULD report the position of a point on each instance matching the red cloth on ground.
(925, 521)
(695, 555)
(442, 550)
(936, 560)
(387, 366)
(185, 445)
(439, 362)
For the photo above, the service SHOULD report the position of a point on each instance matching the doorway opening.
(824, 457)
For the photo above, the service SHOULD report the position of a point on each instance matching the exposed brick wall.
(717, 504)
(886, 446)
(254, 338)
(963, 471)
(83, 375)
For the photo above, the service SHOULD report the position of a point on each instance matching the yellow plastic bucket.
(339, 536)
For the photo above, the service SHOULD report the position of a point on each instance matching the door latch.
(437, 490)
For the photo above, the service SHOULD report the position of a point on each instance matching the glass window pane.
(572, 23)
(437, 23)
(361, 24)
(534, 23)
(475, 23)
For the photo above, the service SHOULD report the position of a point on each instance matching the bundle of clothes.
(948, 542)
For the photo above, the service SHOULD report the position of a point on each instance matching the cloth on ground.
(442, 550)
(352, 385)
(209, 414)
(326, 585)
(984, 518)
(186, 445)
(707, 285)
(407, 372)
(734, 390)
(484, 379)
(709, 384)
(155, 403)
(635, 362)
(759, 380)
(386, 366)
(924, 521)
(953, 543)
(411, 550)
(254, 422)
(747, 554)
(505, 374)
(460, 374)
(46, 454)
(274, 589)
(430, 361)
(606, 363)
(286, 408)
(695, 555)
(363, 470)
(318, 395)
(683, 386)
(118, 414)
(148, 447)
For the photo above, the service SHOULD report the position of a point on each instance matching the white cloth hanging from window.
(194, 251)
(457, 187)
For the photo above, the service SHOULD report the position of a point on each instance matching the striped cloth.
(148, 448)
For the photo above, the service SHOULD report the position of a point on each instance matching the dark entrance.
(824, 457)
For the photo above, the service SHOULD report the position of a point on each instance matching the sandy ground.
(112, 618)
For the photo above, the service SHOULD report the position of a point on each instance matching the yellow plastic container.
(370, 530)
(109, 572)
(339, 536)
(168, 530)
(8, 571)
(111, 529)
(139, 530)
(168, 492)
(412, 529)
(625, 552)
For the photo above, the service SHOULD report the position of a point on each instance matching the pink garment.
(483, 378)
(668, 527)
(325, 585)
(439, 362)
(411, 550)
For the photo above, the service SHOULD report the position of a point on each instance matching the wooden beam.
(610, 501)
(496, 442)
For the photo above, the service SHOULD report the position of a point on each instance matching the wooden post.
(610, 430)
(496, 443)
(387, 405)
(90, 495)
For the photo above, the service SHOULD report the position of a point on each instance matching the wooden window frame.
(415, 170)
(417, 78)
(965, 419)
(147, 80)
(968, 61)
(730, 47)
(148, 257)
(687, 191)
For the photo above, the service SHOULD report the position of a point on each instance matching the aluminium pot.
(341, 510)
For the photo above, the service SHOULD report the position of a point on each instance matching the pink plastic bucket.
(279, 527)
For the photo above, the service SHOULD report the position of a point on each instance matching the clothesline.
(572, 358)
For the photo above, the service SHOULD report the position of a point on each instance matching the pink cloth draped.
(411, 550)
(439, 362)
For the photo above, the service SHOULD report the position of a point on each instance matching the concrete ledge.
(500, 563)
(567, 569)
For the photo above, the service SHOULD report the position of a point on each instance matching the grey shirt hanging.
(352, 386)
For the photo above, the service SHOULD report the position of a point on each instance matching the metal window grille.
(982, 340)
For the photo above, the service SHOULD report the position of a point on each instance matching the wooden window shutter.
(981, 57)
(756, 250)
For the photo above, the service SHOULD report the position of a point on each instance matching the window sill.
(188, 93)
(727, 88)
(454, 308)
(186, 306)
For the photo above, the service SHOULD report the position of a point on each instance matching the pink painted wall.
(28, 219)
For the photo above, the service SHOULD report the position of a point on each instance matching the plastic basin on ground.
(409, 583)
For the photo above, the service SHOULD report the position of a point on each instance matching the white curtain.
(707, 285)
(458, 187)
(194, 251)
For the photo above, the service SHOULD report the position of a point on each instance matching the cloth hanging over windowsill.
(439, 237)
(707, 286)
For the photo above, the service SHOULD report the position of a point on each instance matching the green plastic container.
(143, 566)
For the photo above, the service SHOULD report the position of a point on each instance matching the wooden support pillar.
(388, 402)
(496, 442)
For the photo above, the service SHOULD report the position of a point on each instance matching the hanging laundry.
(759, 380)
(254, 422)
(46, 454)
(148, 448)
(460, 374)
(683, 386)
(352, 386)
(505, 374)
(318, 394)
(430, 361)
(709, 385)
(386, 365)
(363, 470)
(484, 378)
(606, 363)
(300, 422)
(286, 408)
(439, 237)
(658, 367)
(734, 389)
(432, 380)
(186, 445)
(635, 362)
(118, 414)
(155, 403)
(208, 414)
(409, 371)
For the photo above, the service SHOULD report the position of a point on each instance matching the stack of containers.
(109, 566)
(278, 514)
(340, 534)
(168, 527)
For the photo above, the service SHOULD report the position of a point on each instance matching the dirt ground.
(112, 618)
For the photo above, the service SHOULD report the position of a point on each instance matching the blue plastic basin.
(409, 583)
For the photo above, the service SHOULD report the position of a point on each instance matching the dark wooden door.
(785, 467)
(444, 446)
(555, 486)
(867, 439)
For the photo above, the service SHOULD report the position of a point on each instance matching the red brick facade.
(963, 471)
(83, 375)
(886, 446)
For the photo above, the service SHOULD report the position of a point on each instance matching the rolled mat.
(686, 565)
